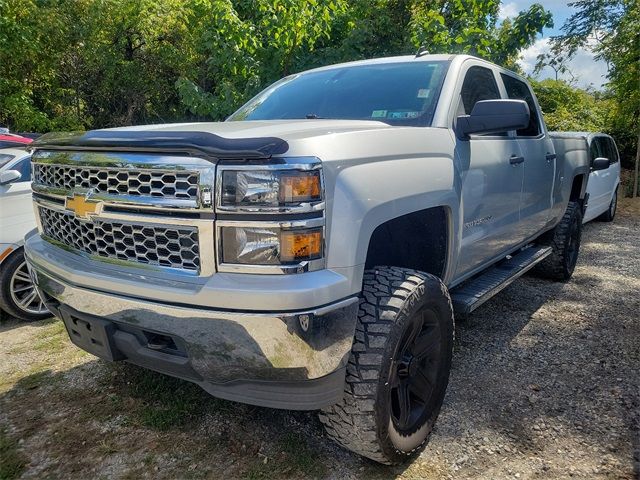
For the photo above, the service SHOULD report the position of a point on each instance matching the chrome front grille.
(163, 245)
(118, 181)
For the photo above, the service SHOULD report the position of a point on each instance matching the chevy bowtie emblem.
(82, 206)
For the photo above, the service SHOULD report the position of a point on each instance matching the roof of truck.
(383, 60)
(577, 134)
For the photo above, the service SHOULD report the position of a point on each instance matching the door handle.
(550, 156)
(514, 160)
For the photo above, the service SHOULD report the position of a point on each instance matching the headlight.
(270, 216)
(270, 188)
(255, 245)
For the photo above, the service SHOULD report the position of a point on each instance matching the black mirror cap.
(494, 116)
(600, 163)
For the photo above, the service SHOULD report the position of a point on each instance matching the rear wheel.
(398, 371)
(609, 215)
(564, 241)
(18, 295)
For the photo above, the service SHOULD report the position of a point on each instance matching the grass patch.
(12, 461)
(294, 459)
(166, 402)
(52, 339)
(50, 334)
(301, 457)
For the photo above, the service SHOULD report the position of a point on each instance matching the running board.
(474, 292)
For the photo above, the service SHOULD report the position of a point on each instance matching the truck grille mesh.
(167, 246)
(174, 184)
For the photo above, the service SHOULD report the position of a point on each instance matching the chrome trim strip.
(126, 160)
(284, 224)
(142, 202)
(302, 267)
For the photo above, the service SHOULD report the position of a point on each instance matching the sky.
(587, 71)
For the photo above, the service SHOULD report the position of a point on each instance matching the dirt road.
(545, 384)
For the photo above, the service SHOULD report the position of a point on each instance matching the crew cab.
(309, 252)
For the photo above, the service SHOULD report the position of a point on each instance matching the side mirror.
(9, 176)
(600, 163)
(493, 116)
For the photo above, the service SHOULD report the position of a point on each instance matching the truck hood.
(239, 140)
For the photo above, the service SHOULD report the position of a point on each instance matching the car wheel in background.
(18, 295)
(609, 215)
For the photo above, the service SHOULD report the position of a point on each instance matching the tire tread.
(352, 422)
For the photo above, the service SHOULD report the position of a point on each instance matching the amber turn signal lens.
(300, 187)
(301, 245)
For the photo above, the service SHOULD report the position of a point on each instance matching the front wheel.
(398, 371)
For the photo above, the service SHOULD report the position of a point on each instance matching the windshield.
(5, 158)
(394, 93)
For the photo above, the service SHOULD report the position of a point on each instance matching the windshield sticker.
(378, 114)
(398, 115)
(423, 93)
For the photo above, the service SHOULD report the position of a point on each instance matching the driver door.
(491, 181)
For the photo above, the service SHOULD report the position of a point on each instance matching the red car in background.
(13, 140)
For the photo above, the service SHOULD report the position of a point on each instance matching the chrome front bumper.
(291, 359)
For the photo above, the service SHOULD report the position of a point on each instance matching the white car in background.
(18, 297)
(604, 178)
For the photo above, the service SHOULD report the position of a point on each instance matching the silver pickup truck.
(310, 252)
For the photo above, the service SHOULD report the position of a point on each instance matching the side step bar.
(474, 292)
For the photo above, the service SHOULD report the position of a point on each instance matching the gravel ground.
(545, 384)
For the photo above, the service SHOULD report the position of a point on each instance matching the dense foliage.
(612, 29)
(568, 108)
(78, 64)
(94, 63)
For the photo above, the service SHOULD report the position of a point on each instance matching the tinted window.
(395, 93)
(24, 167)
(595, 149)
(612, 150)
(518, 90)
(479, 84)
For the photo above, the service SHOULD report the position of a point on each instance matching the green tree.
(568, 108)
(99, 63)
(555, 60)
(612, 27)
